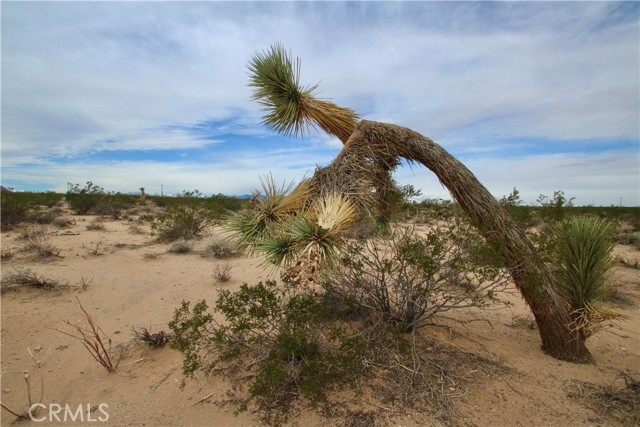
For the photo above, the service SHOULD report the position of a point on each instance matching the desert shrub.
(631, 238)
(220, 248)
(27, 277)
(95, 226)
(44, 216)
(42, 247)
(222, 273)
(583, 247)
(14, 208)
(181, 222)
(410, 279)
(135, 229)
(32, 232)
(181, 246)
(553, 209)
(151, 255)
(82, 200)
(281, 337)
(63, 222)
(522, 215)
(115, 204)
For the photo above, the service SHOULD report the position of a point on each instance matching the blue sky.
(540, 96)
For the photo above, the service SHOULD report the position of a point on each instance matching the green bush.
(114, 204)
(82, 200)
(284, 339)
(181, 222)
(14, 208)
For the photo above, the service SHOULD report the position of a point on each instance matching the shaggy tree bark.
(385, 142)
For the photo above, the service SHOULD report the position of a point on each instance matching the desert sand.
(126, 287)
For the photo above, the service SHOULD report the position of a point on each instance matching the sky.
(540, 96)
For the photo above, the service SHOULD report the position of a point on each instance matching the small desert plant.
(222, 273)
(97, 343)
(155, 340)
(220, 248)
(631, 238)
(181, 246)
(42, 247)
(27, 277)
(63, 222)
(33, 232)
(97, 248)
(583, 247)
(134, 229)
(95, 225)
(32, 407)
(45, 216)
(181, 222)
(6, 254)
(151, 255)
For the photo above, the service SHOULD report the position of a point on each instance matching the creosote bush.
(411, 279)
(283, 338)
(181, 222)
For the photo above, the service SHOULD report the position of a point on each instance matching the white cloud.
(85, 77)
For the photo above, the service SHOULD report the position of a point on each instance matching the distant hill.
(5, 189)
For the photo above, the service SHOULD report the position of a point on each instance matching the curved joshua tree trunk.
(530, 276)
(371, 149)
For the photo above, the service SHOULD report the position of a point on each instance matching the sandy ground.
(126, 289)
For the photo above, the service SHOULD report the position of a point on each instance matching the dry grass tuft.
(42, 248)
(95, 226)
(181, 246)
(27, 277)
(222, 273)
(151, 255)
(220, 248)
(33, 232)
(619, 403)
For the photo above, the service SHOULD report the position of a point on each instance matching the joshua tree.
(371, 151)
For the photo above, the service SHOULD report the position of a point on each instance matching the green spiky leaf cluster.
(276, 79)
(584, 248)
(286, 225)
(291, 109)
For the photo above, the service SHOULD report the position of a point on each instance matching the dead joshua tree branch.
(94, 339)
